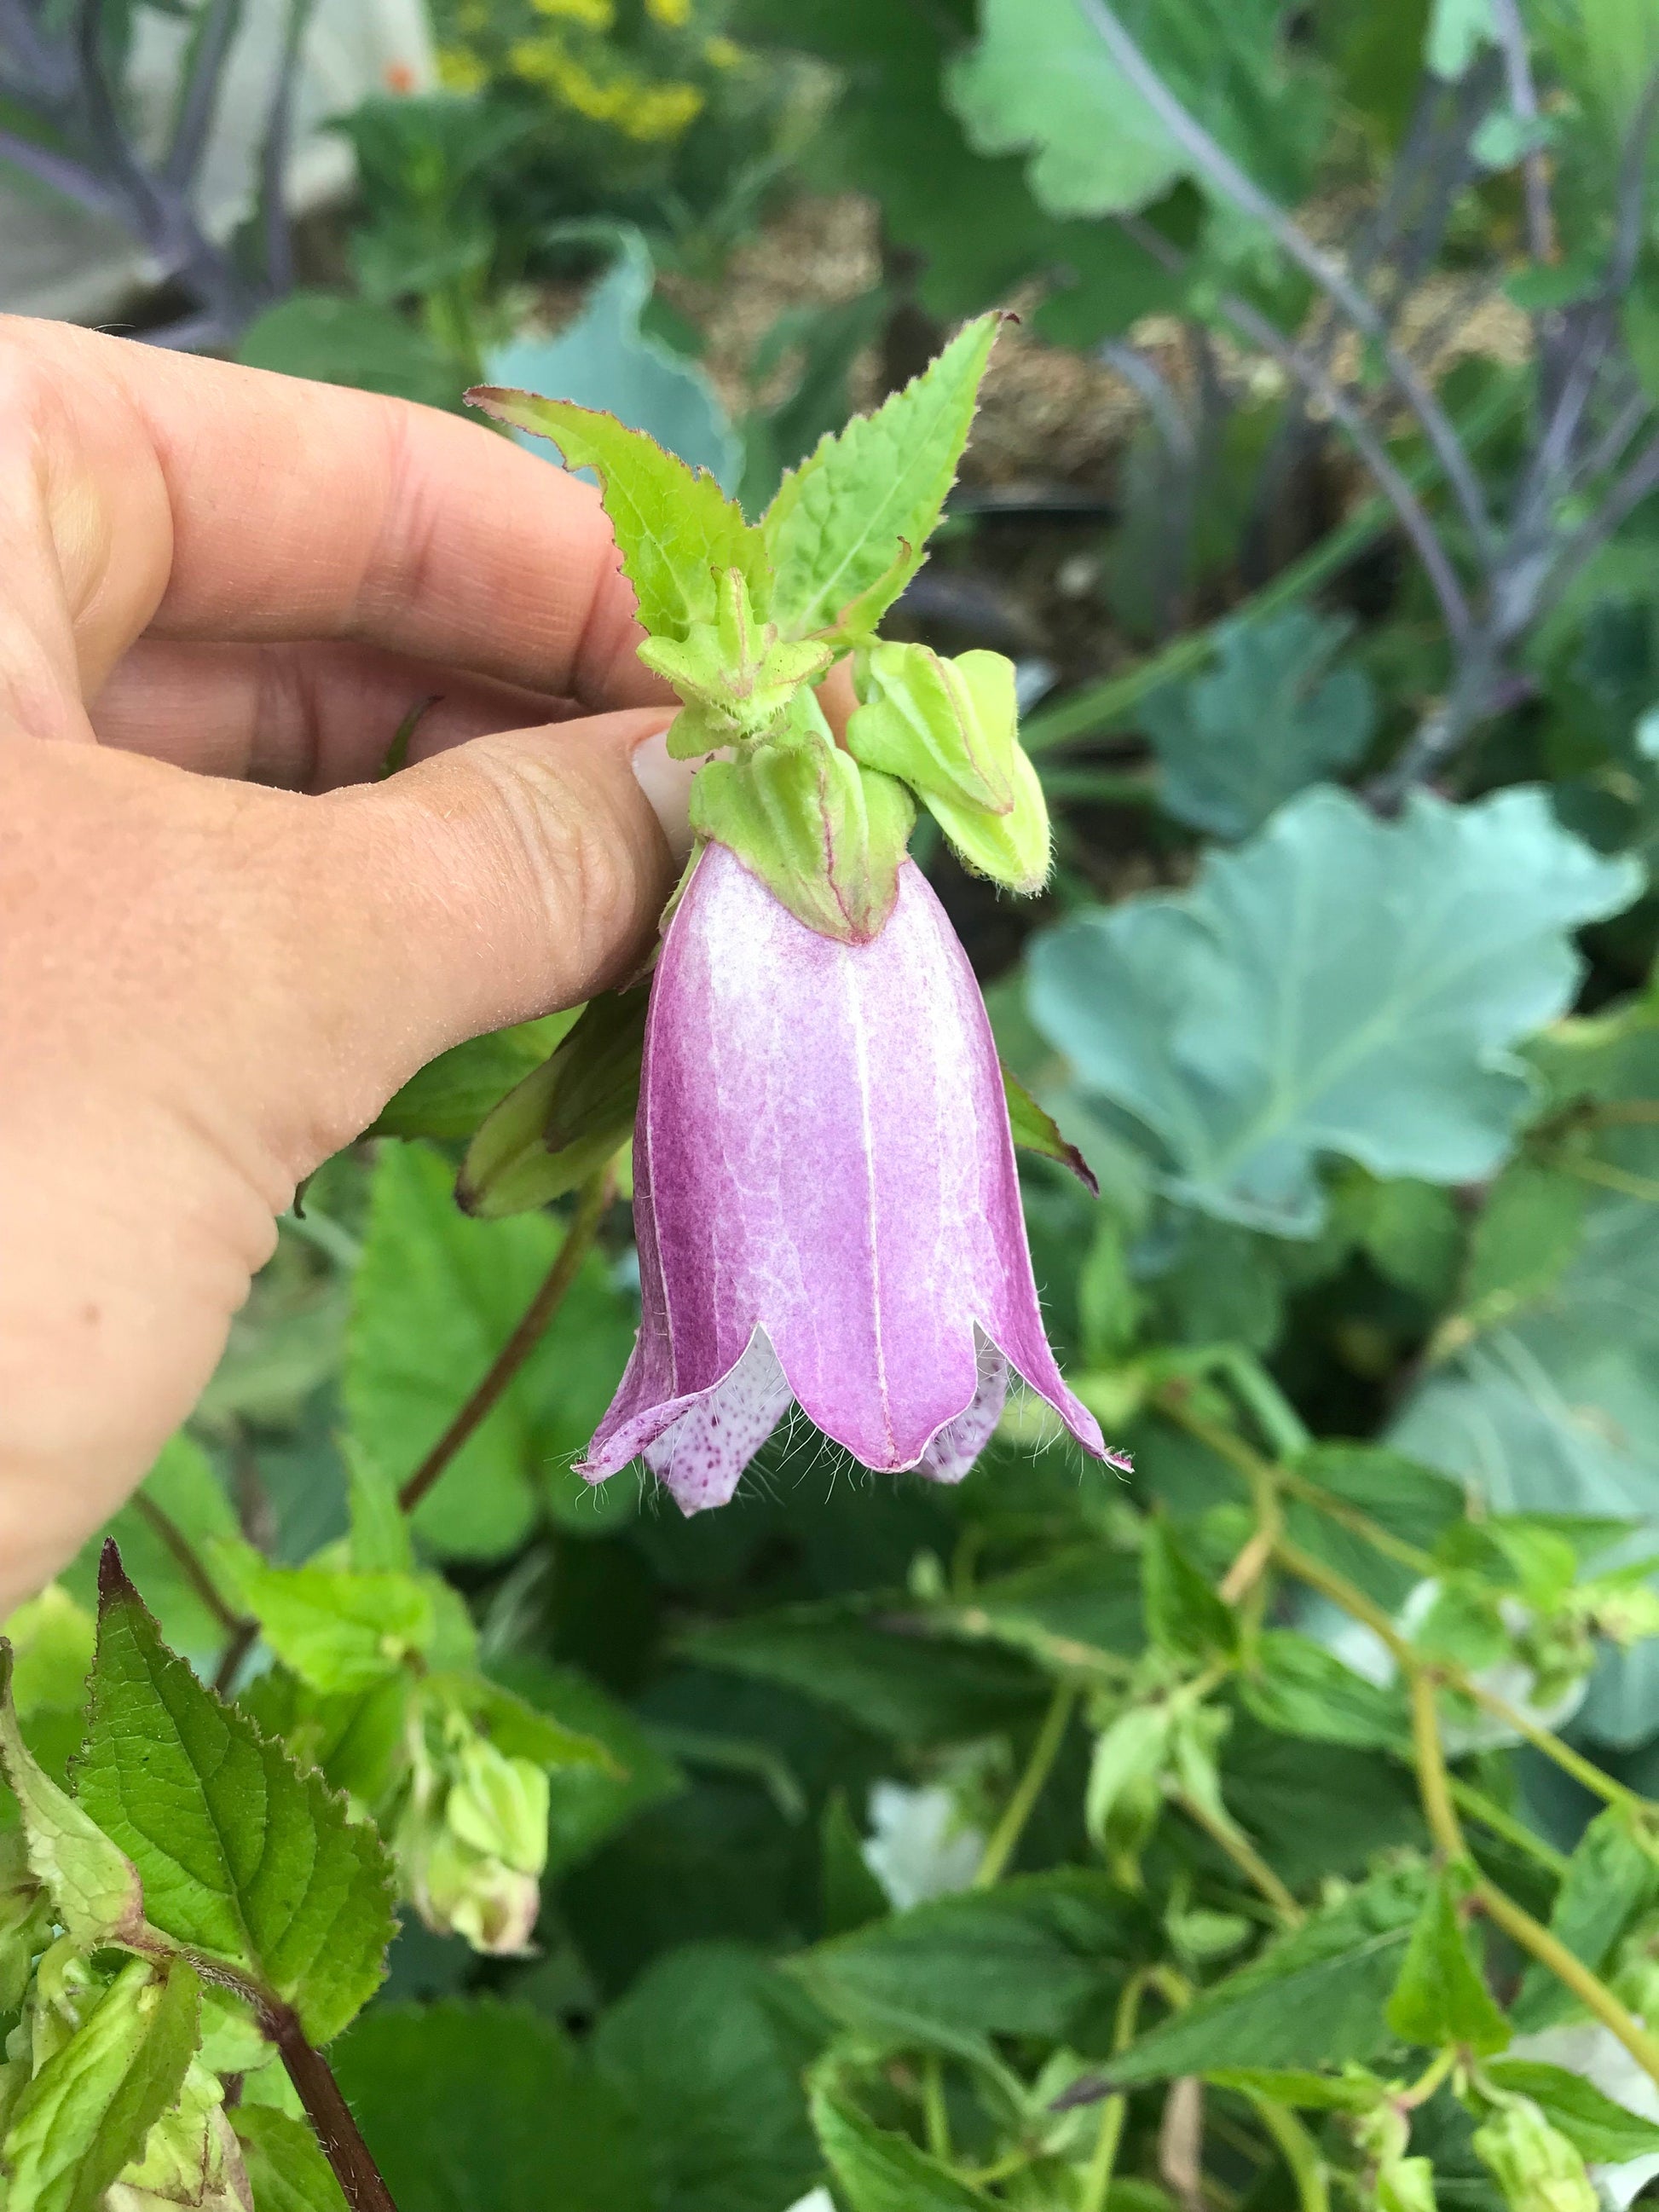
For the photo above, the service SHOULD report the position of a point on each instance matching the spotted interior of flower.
(701, 1458)
(960, 1442)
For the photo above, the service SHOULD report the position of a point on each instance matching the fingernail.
(667, 785)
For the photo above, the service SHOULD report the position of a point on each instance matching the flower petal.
(701, 1458)
(959, 1442)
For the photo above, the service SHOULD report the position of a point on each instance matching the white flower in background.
(1364, 1650)
(1595, 2054)
(922, 1846)
(816, 2200)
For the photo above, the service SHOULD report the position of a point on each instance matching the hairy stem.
(1017, 1811)
(191, 1563)
(592, 1203)
(360, 2178)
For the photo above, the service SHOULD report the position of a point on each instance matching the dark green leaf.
(286, 2169)
(567, 1116)
(1299, 1687)
(335, 341)
(1612, 1879)
(1184, 1616)
(473, 2106)
(451, 1093)
(1314, 1999)
(1440, 1997)
(1408, 1502)
(1603, 2132)
(710, 2043)
(885, 2172)
(241, 1856)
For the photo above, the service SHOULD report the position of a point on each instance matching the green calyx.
(735, 675)
(951, 730)
(824, 833)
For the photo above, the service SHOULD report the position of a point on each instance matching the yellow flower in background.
(663, 111)
(672, 14)
(594, 15)
(461, 70)
(722, 53)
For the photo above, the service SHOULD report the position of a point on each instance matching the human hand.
(222, 944)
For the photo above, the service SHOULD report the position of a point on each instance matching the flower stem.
(1243, 1854)
(936, 2117)
(1017, 1811)
(1478, 1807)
(591, 1205)
(1299, 2152)
(360, 2178)
(190, 1562)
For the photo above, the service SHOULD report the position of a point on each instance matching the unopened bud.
(1532, 2163)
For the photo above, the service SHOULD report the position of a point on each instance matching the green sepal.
(950, 729)
(825, 835)
(567, 1117)
(735, 675)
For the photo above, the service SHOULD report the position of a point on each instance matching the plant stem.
(593, 1202)
(191, 1563)
(1478, 1807)
(936, 2118)
(1591, 1991)
(1433, 1783)
(1299, 2152)
(338, 2132)
(1243, 1854)
(1017, 1811)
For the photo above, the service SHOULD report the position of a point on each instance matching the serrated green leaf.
(674, 525)
(451, 1093)
(1600, 2131)
(1184, 1616)
(884, 2172)
(1272, 716)
(286, 2169)
(1440, 1997)
(242, 1857)
(1339, 984)
(1314, 1999)
(860, 511)
(87, 2111)
(339, 1629)
(94, 1884)
(710, 2042)
(1299, 1687)
(359, 1744)
(475, 2103)
(434, 1298)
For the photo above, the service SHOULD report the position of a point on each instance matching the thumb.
(518, 873)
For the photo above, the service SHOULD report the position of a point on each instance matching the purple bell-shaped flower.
(826, 1201)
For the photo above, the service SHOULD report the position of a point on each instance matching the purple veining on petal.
(823, 1154)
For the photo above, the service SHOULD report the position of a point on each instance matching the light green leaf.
(1598, 2129)
(1299, 1687)
(94, 1884)
(1314, 1999)
(1612, 1880)
(1339, 984)
(884, 2172)
(589, 1801)
(340, 1630)
(1184, 1616)
(241, 1856)
(87, 2111)
(1033, 1129)
(1458, 29)
(285, 2166)
(434, 1298)
(515, 1727)
(1270, 717)
(52, 1638)
(1303, 2090)
(472, 2104)
(451, 1093)
(1525, 1238)
(1042, 78)
(860, 511)
(710, 2043)
(674, 526)
(380, 1542)
(1440, 1997)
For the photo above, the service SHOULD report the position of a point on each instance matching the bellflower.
(825, 1197)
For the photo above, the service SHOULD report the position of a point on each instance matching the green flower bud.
(1125, 1790)
(1407, 2185)
(499, 1807)
(462, 1892)
(949, 729)
(735, 676)
(1532, 2162)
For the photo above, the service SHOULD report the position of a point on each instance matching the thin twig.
(200, 97)
(190, 1562)
(1019, 1809)
(1640, 479)
(1243, 1854)
(1524, 101)
(591, 1206)
(1218, 165)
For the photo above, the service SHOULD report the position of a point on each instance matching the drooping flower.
(825, 1197)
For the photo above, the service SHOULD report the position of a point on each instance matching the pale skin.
(223, 945)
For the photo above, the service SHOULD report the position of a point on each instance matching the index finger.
(286, 510)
